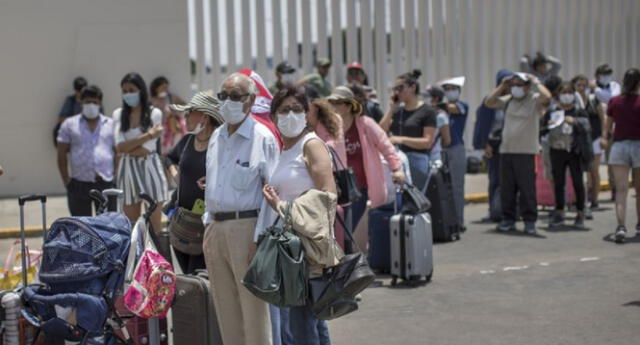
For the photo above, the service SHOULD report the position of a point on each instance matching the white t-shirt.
(133, 133)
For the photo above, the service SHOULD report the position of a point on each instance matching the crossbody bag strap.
(337, 162)
(347, 231)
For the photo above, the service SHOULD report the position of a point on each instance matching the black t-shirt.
(411, 123)
(594, 119)
(192, 165)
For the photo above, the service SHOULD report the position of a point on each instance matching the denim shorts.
(625, 152)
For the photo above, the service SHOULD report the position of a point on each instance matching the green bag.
(278, 272)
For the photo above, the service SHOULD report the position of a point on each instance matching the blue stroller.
(82, 269)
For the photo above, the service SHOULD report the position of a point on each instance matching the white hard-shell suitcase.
(411, 247)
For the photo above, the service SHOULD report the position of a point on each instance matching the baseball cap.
(355, 65)
(323, 62)
(284, 67)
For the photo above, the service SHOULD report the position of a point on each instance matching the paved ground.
(567, 287)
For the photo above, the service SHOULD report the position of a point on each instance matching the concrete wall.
(45, 44)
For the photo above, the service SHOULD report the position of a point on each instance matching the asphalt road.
(565, 287)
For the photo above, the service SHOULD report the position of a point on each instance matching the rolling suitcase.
(194, 316)
(545, 194)
(379, 255)
(411, 247)
(443, 209)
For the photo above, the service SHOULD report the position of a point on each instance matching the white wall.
(45, 44)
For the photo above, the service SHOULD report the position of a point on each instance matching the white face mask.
(90, 110)
(567, 98)
(163, 94)
(452, 95)
(603, 95)
(517, 91)
(289, 78)
(132, 99)
(232, 112)
(604, 80)
(292, 124)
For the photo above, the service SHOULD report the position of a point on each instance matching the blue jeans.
(280, 325)
(493, 170)
(419, 167)
(306, 329)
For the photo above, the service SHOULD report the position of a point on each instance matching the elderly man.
(242, 155)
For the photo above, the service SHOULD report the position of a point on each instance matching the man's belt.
(222, 216)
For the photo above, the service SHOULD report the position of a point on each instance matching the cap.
(604, 69)
(323, 62)
(204, 103)
(456, 81)
(284, 67)
(341, 93)
(435, 91)
(355, 65)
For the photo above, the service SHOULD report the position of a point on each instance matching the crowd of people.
(237, 154)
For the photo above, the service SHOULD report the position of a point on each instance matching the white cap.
(456, 81)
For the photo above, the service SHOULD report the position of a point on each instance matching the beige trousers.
(242, 317)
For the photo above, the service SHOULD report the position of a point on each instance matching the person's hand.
(570, 119)
(394, 102)
(156, 131)
(201, 182)
(505, 84)
(1, 171)
(395, 140)
(533, 78)
(604, 143)
(398, 177)
(252, 252)
(488, 151)
(271, 195)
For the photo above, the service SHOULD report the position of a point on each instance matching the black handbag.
(346, 184)
(414, 200)
(333, 294)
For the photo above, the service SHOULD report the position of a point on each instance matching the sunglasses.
(294, 108)
(398, 88)
(236, 97)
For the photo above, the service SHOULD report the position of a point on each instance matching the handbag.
(186, 230)
(278, 272)
(414, 200)
(346, 184)
(333, 294)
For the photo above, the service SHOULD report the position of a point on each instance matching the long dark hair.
(156, 83)
(145, 108)
(411, 78)
(630, 81)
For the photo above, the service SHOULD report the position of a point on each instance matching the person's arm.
(445, 134)
(556, 65)
(493, 100)
(319, 165)
(387, 119)
(545, 94)
(63, 149)
(607, 129)
(425, 142)
(525, 64)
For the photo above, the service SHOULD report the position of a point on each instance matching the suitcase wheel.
(394, 280)
(428, 277)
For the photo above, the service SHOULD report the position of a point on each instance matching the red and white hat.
(262, 104)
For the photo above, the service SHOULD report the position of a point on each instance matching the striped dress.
(138, 175)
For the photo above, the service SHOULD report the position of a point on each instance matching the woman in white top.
(137, 127)
(303, 164)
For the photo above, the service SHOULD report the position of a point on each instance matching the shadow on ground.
(518, 233)
(610, 238)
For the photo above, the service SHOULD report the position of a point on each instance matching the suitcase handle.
(21, 201)
(33, 197)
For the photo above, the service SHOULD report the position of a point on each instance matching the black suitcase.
(195, 321)
(379, 238)
(443, 209)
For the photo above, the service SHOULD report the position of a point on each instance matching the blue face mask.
(131, 98)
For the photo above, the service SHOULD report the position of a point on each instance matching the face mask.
(90, 110)
(198, 129)
(604, 80)
(603, 95)
(567, 98)
(517, 91)
(163, 94)
(292, 124)
(587, 91)
(131, 98)
(231, 112)
(452, 95)
(289, 78)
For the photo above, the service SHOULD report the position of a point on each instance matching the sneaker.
(595, 206)
(588, 214)
(506, 226)
(621, 234)
(530, 228)
(579, 223)
(557, 220)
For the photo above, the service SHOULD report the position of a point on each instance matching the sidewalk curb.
(34, 231)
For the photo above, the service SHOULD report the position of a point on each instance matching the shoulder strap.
(184, 149)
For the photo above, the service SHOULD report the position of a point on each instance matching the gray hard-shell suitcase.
(194, 316)
(411, 247)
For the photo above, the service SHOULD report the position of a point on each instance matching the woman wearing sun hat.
(365, 141)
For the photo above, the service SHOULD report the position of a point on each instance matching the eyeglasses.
(398, 88)
(236, 97)
(295, 108)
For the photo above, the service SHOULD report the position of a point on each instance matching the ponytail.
(411, 78)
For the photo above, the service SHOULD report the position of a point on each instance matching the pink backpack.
(150, 287)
